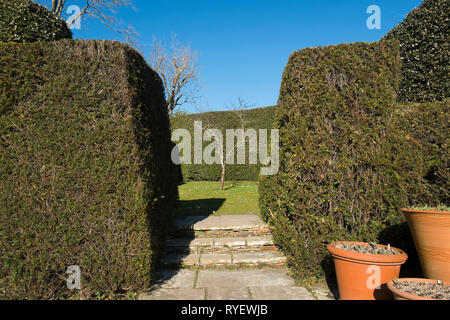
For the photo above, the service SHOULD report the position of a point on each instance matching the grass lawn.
(204, 198)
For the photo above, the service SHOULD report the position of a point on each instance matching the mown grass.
(205, 198)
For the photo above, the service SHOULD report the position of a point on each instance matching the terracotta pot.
(363, 276)
(402, 295)
(431, 233)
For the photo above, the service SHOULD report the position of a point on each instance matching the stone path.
(229, 257)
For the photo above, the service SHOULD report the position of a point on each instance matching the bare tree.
(103, 10)
(178, 69)
(210, 123)
(240, 110)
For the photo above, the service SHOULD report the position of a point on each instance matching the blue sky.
(244, 45)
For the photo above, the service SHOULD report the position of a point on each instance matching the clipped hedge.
(428, 126)
(260, 118)
(85, 169)
(27, 21)
(424, 49)
(345, 166)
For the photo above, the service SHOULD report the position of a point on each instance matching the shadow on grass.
(198, 207)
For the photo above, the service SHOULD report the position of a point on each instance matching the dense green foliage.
(85, 170)
(260, 118)
(428, 126)
(424, 48)
(27, 21)
(350, 155)
(346, 167)
(433, 209)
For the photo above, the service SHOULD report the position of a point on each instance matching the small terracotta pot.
(363, 276)
(431, 233)
(402, 295)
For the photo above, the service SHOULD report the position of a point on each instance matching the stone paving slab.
(321, 297)
(174, 294)
(190, 243)
(220, 242)
(215, 258)
(323, 292)
(265, 284)
(230, 242)
(239, 240)
(191, 259)
(207, 259)
(187, 222)
(226, 222)
(210, 223)
(260, 241)
(173, 279)
(240, 293)
(269, 257)
(280, 293)
(243, 278)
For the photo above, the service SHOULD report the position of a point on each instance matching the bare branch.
(210, 121)
(54, 5)
(59, 7)
(103, 10)
(240, 110)
(81, 13)
(177, 67)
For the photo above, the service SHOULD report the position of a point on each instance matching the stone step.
(221, 223)
(255, 258)
(190, 234)
(225, 258)
(211, 244)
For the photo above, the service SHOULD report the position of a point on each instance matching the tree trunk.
(222, 178)
(54, 5)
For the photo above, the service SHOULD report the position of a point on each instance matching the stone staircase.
(225, 258)
(215, 241)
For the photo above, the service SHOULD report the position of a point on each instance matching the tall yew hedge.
(346, 167)
(27, 21)
(427, 125)
(424, 47)
(85, 169)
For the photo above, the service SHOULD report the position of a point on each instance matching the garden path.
(228, 257)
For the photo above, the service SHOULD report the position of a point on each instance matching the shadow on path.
(188, 212)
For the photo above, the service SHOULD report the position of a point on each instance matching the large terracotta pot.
(431, 233)
(402, 295)
(363, 276)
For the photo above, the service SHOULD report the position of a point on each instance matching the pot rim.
(367, 258)
(410, 296)
(405, 210)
